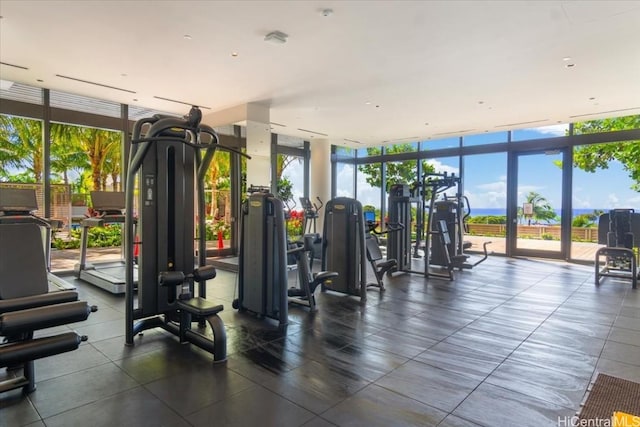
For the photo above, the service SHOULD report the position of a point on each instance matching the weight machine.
(171, 161)
(620, 231)
(343, 247)
(399, 243)
(374, 254)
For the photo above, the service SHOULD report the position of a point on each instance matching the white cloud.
(441, 167)
(554, 130)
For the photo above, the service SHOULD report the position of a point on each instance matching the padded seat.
(200, 307)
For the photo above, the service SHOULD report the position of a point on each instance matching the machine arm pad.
(40, 300)
(18, 322)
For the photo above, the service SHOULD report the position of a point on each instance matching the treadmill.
(16, 207)
(108, 206)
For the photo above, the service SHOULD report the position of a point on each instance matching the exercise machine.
(308, 282)
(26, 305)
(17, 206)
(311, 214)
(445, 225)
(171, 161)
(620, 231)
(399, 243)
(108, 207)
(379, 265)
(262, 263)
(343, 247)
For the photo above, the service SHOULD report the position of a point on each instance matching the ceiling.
(353, 72)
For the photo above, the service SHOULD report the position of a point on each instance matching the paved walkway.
(584, 251)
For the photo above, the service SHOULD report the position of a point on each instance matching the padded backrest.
(373, 248)
(23, 267)
(603, 228)
(18, 200)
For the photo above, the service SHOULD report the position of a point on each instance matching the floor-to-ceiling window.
(541, 208)
(485, 189)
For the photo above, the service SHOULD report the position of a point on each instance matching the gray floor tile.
(252, 407)
(135, 407)
(555, 358)
(376, 406)
(462, 360)
(540, 383)
(617, 369)
(625, 353)
(198, 389)
(435, 387)
(79, 388)
(494, 406)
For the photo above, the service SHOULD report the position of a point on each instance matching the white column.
(258, 146)
(320, 174)
(256, 120)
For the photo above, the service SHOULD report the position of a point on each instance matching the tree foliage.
(21, 149)
(72, 148)
(397, 172)
(594, 157)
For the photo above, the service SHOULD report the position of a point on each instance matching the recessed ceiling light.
(592, 98)
(426, 124)
(367, 103)
(480, 102)
(187, 37)
(570, 65)
(123, 74)
(135, 99)
(40, 80)
(327, 12)
(566, 58)
(234, 54)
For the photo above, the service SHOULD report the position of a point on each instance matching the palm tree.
(542, 210)
(21, 148)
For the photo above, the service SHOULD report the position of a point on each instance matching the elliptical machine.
(445, 226)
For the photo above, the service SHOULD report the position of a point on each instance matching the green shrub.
(547, 236)
(99, 237)
(488, 219)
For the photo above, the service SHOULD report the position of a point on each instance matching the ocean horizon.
(500, 212)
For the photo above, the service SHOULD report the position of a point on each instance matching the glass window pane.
(20, 149)
(599, 186)
(83, 160)
(485, 138)
(344, 180)
(540, 132)
(408, 147)
(486, 191)
(438, 144)
(369, 191)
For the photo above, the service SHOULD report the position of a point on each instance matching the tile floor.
(512, 342)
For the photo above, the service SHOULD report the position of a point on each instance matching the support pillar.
(257, 123)
(320, 174)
